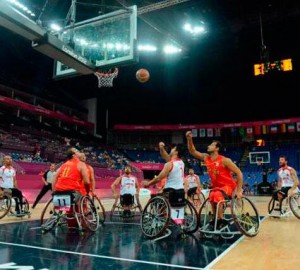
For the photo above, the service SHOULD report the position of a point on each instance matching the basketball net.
(258, 163)
(105, 79)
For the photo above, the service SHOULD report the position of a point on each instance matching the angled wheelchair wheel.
(294, 203)
(49, 217)
(155, 217)
(205, 213)
(89, 213)
(191, 220)
(25, 207)
(100, 209)
(245, 216)
(137, 209)
(271, 205)
(116, 210)
(5, 205)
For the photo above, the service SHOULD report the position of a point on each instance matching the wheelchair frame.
(156, 218)
(78, 212)
(100, 208)
(287, 207)
(6, 206)
(246, 224)
(198, 199)
(117, 209)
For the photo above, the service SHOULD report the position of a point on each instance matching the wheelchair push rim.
(155, 217)
(245, 216)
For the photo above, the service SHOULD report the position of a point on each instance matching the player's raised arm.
(191, 147)
(163, 152)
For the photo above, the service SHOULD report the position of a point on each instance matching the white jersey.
(128, 183)
(285, 176)
(192, 180)
(175, 178)
(7, 175)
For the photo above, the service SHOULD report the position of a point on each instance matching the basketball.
(142, 75)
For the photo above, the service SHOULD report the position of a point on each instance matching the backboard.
(259, 157)
(105, 41)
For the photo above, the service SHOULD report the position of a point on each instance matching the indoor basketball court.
(99, 47)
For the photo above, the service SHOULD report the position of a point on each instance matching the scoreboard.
(281, 65)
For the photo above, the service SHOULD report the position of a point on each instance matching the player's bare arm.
(295, 184)
(192, 148)
(227, 162)
(84, 172)
(165, 171)
(163, 152)
(114, 185)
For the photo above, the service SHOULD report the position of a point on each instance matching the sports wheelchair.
(240, 216)
(117, 209)
(66, 209)
(8, 203)
(166, 210)
(286, 207)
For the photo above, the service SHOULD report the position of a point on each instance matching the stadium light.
(55, 27)
(171, 49)
(21, 7)
(195, 29)
(147, 48)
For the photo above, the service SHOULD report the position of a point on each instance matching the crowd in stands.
(28, 145)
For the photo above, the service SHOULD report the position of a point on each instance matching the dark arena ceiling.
(210, 80)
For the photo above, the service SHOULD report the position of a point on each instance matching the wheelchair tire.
(25, 206)
(5, 205)
(49, 217)
(89, 213)
(271, 205)
(155, 217)
(294, 203)
(202, 215)
(191, 223)
(247, 223)
(100, 209)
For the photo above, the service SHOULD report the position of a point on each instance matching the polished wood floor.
(277, 245)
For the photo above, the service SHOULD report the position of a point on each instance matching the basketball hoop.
(259, 163)
(105, 79)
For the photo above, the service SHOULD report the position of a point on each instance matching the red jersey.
(69, 177)
(220, 176)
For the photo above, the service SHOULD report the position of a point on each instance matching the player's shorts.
(217, 195)
(192, 191)
(283, 192)
(127, 199)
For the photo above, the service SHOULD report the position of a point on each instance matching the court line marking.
(100, 256)
(207, 267)
(106, 222)
(121, 223)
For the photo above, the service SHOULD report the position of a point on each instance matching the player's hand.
(291, 192)
(239, 194)
(145, 183)
(189, 134)
(161, 145)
